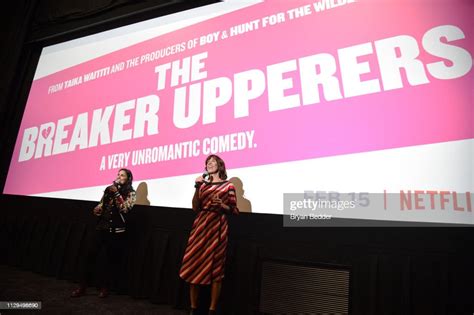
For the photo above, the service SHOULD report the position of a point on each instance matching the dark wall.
(392, 270)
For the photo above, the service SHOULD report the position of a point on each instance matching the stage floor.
(20, 285)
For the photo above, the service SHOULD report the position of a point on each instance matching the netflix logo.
(435, 200)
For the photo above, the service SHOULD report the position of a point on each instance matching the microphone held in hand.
(117, 183)
(201, 179)
(206, 174)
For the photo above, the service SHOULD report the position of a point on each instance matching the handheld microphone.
(117, 183)
(204, 175)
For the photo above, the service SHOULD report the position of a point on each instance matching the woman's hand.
(112, 189)
(198, 182)
(98, 210)
(216, 201)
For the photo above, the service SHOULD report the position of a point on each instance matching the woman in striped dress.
(204, 258)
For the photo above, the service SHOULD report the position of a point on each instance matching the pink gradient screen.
(278, 81)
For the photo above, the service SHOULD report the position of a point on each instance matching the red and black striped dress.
(205, 254)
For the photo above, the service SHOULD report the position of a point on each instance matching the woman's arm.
(125, 205)
(196, 200)
(98, 209)
(228, 203)
(232, 202)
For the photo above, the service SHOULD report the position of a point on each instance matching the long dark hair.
(127, 187)
(220, 166)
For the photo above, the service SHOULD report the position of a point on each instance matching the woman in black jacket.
(118, 199)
